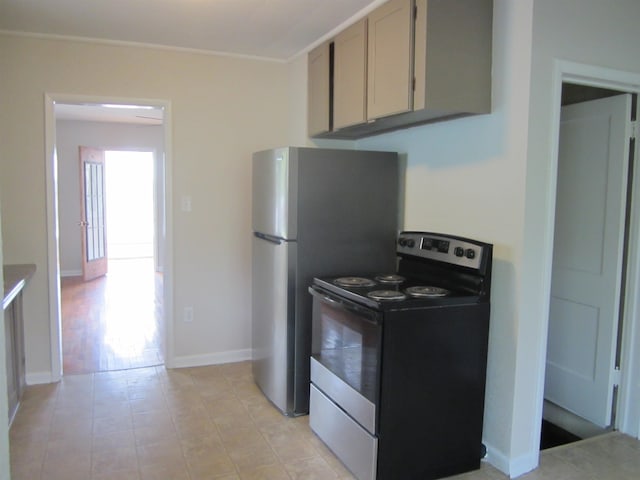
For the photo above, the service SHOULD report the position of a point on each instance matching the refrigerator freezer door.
(274, 193)
(273, 319)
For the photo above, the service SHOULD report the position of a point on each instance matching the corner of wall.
(513, 467)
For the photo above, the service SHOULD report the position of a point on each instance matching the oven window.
(348, 344)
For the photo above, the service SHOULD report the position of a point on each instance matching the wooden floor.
(113, 322)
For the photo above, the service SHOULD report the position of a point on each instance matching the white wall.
(71, 134)
(223, 109)
(592, 32)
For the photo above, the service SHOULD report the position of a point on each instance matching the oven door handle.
(367, 315)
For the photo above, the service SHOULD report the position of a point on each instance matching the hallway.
(113, 322)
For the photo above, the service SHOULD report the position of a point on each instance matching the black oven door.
(346, 340)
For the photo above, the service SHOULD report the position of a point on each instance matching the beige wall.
(223, 109)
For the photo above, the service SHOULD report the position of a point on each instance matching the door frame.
(628, 412)
(53, 276)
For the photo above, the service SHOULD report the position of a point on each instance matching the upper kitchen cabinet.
(318, 90)
(453, 56)
(426, 61)
(350, 80)
(390, 60)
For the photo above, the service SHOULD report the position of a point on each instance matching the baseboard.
(39, 378)
(210, 359)
(70, 273)
(513, 467)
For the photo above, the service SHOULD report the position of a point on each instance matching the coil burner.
(427, 292)
(354, 282)
(391, 278)
(386, 295)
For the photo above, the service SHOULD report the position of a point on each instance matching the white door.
(588, 255)
(93, 217)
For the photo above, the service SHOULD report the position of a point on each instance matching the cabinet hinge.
(635, 129)
(413, 85)
(415, 12)
(616, 377)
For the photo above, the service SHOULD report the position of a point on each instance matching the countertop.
(15, 279)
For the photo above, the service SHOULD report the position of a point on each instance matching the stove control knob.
(459, 251)
(470, 253)
(406, 242)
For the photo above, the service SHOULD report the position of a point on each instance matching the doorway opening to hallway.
(114, 321)
(590, 264)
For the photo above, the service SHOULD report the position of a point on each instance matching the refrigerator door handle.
(268, 238)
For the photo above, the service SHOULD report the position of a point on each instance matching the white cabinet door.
(390, 59)
(350, 76)
(588, 255)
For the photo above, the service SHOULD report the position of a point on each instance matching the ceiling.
(272, 29)
(141, 115)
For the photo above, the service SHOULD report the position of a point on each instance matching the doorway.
(113, 320)
(589, 270)
(144, 113)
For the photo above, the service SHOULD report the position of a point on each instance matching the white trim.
(628, 420)
(514, 467)
(122, 43)
(168, 240)
(229, 356)
(547, 256)
(629, 402)
(595, 76)
(52, 223)
(38, 378)
(53, 260)
(70, 273)
(497, 458)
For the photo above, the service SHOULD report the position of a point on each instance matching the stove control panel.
(444, 248)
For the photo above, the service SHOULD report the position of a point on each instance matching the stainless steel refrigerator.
(316, 212)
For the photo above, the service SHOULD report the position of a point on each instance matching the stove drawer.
(356, 405)
(351, 443)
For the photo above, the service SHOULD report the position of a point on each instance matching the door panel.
(389, 63)
(318, 120)
(588, 252)
(93, 216)
(350, 78)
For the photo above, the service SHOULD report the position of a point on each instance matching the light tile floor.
(213, 423)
